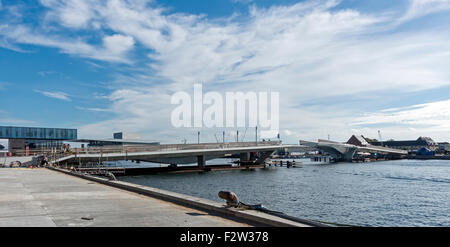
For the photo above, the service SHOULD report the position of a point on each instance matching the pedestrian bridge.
(173, 153)
(346, 152)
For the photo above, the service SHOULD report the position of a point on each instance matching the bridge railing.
(386, 149)
(57, 153)
(33, 152)
(168, 147)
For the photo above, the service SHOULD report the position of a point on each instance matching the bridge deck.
(139, 154)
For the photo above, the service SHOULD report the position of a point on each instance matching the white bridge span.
(346, 152)
(176, 153)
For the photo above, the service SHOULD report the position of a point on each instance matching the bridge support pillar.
(348, 156)
(263, 157)
(244, 157)
(201, 161)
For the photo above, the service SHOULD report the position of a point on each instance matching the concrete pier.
(45, 198)
(201, 161)
(137, 171)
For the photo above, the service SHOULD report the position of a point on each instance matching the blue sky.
(341, 67)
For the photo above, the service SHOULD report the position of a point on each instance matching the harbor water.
(384, 193)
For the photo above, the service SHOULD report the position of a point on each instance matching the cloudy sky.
(340, 67)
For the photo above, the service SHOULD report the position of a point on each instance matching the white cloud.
(117, 44)
(70, 13)
(55, 95)
(113, 49)
(432, 115)
(242, 1)
(419, 8)
(7, 45)
(94, 109)
(429, 119)
(47, 73)
(6, 120)
(15, 121)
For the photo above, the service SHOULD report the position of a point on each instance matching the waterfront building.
(119, 139)
(410, 145)
(126, 136)
(358, 140)
(31, 138)
(444, 146)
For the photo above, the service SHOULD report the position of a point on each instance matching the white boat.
(319, 159)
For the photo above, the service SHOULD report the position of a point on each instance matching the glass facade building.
(9, 132)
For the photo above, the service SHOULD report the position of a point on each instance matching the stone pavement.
(41, 197)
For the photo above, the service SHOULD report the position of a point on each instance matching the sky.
(340, 67)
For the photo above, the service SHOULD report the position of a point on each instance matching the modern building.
(120, 139)
(126, 135)
(29, 138)
(410, 145)
(358, 141)
(444, 146)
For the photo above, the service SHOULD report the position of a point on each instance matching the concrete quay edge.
(247, 216)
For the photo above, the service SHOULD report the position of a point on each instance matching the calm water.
(388, 193)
